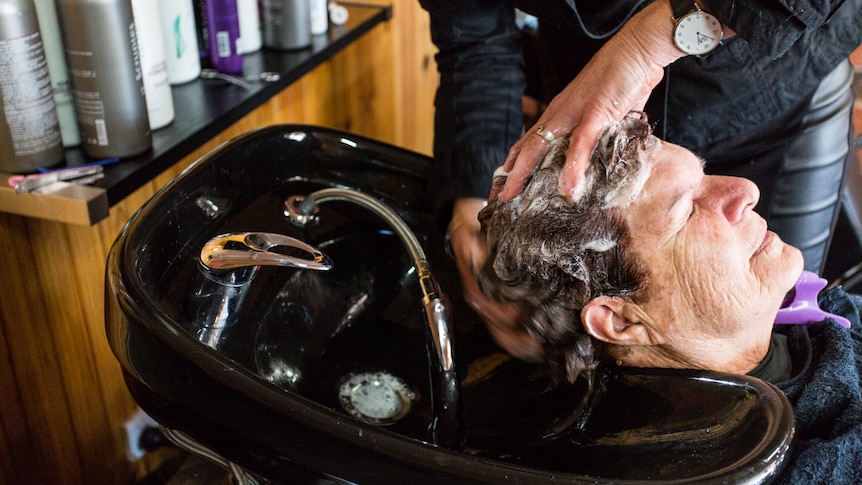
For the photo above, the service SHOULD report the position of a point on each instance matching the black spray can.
(107, 81)
(29, 127)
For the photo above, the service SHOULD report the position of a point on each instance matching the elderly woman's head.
(656, 265)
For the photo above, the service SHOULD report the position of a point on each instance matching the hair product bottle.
(49, 26)
(286, 24)
(319, 13)
(107, 82)
(157, 86)
(200, 9)
(222, 20)
(338, 14)
(180, 39)
(251, 39)
(29, 129)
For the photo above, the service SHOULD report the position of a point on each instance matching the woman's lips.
(768, 237)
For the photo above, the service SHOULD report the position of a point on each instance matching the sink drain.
(377, 398)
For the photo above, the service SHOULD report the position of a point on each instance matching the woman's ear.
(617, 320)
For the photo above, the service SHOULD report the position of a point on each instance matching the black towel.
(826, 395)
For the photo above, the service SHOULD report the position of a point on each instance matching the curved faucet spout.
(446, 428)
(238, 250)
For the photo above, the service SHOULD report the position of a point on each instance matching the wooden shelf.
(203, 107)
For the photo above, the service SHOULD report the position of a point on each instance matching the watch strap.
(682, 7)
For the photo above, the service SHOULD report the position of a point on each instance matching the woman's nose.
(737, 195)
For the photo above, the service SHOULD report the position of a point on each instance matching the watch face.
(697, 32)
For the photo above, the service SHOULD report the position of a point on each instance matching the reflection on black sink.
(315, 375)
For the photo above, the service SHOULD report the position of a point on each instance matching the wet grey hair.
(556, 255)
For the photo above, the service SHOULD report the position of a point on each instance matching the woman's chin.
(791, 266)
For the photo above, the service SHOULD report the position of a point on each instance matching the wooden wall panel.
(62, 398)
(42, 411)
(413, 55)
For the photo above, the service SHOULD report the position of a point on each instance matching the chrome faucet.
(244, 249)
(228, 264)
(445, 430)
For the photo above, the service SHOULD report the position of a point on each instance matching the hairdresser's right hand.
(504, 322)
(618, 79)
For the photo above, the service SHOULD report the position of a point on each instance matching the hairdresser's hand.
(504, 322)
(618, 79)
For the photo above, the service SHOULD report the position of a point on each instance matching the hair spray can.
(107, 82)
(286, 24)
(29, 129)
(223, 32)
(49, 26)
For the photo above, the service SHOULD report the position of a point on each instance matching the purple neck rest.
(800, 305)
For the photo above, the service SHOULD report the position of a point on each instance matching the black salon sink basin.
(325, 375)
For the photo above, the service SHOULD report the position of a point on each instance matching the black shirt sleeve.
(478, 104)
(771, 27)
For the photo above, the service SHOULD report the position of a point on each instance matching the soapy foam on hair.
(631, 169)
(554, 253)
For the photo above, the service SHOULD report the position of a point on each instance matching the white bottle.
(53, 45)
(337, 14)
(160, 103)
(180, 38)
(250, 36)
(319, 11)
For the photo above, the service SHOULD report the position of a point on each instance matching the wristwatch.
(695, 31)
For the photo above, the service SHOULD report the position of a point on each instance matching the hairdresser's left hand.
(618, 79)
(504, 322)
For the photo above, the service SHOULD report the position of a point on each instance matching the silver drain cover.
(377, 398)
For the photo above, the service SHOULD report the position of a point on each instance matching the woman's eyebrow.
(680, 196)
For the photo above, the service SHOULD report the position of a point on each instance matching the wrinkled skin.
(716, 278)
(617, 80)
(711, 276)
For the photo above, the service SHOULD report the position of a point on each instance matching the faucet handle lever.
(237, 250)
